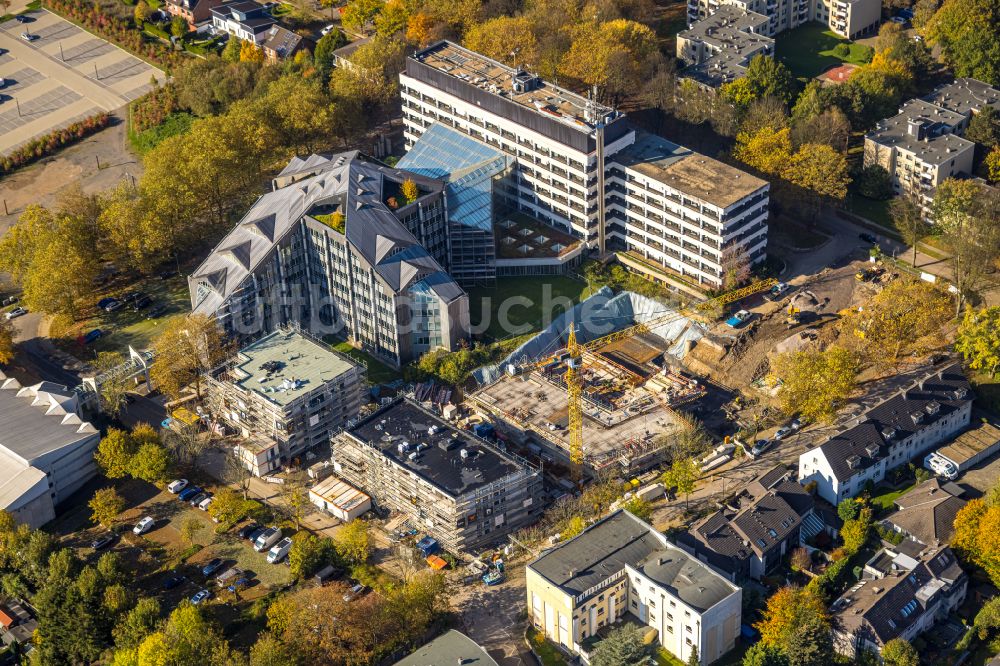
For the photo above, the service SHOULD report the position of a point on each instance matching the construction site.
(618, 360)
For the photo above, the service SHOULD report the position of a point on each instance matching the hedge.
(115, 29)
(53, 141)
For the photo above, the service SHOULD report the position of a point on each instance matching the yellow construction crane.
(574, 407)
(574, 359)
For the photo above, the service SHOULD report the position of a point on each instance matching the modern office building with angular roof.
(337, 248)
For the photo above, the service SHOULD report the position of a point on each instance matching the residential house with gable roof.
(934, 407)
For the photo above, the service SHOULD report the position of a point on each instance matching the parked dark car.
(102, 541)
(256, 533)
(131, 296)
(868, 238)
(92, 336)
(156, 311)
(173, 581)
(141, 303)
(188, 493)
(247, 530)
(212, 566)
(196, 500)
(166, 274)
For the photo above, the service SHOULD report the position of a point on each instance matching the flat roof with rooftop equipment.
(453, 460)
(285, 365)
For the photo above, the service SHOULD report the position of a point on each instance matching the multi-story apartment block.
(897, 430)
(285, 394)
(336, 248)
(922, 145)
(904, 590)
(244, 19)
(847, 18)
(46, 449)
(750, 536)
(461, 489)
(557, 140)
(675, 212)
(718, 48)
(920, 148)
(621, 567)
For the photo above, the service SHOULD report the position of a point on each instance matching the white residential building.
(847, 18)
(46, 449)
(922, 145)
(621, 568)
(892, 433)
(557, 139)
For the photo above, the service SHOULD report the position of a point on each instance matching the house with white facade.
(621, 569)
(902, 428)
(244, 19)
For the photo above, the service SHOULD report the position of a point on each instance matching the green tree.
(682, 475)
(639, 508)
(795, 623)
(269, 651)
(908, 218)
(816, 383)
(358, 15)
(856, 531)
(113, 388)
(191, 527)
(138, 623)
(849, 509)
(231, 53)
(616, 56)
(114, 453)
(765, 77)
(978, 339)
(767, 150)
(509, 39)
(622, 646)
(353, 542)
(693, 658)
(6, 342)
(764, 655)
(186, 638)
(187, 347)
(899, 652)
(875, 183)
(992, 165)
(323, 56)
(151, 463)
(141, 13)
(105, 506)
(968, 216)
(967, 32)
(984, 127)
(309, 553)
(178, 27)
(819, 169)
(228, 506)
(988, 618)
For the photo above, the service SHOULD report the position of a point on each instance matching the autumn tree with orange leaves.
(795, 623)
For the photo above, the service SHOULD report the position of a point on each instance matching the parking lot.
(63, 75)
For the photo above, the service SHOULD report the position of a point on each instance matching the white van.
(279, 550)
(267, 539)
(941, 466)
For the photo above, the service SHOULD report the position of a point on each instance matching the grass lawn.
(809, 50)
(665, 658)
(547, 652)
(125, 328)
(884, 501)
(378, 372)
(543, 293)
(870, 209)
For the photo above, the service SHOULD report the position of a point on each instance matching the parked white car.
(144, 525)
(177, 486)
(203, 505)
(279, 550)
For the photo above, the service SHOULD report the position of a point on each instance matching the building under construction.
(629, 383)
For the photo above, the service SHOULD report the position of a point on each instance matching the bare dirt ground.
(42, 182)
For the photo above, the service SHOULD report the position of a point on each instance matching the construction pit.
(630, 387)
